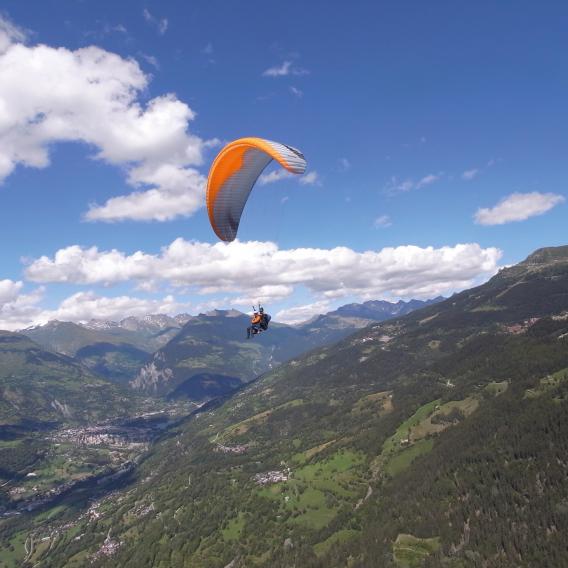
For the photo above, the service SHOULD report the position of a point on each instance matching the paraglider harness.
(259, 322)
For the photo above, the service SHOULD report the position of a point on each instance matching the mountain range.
(201, 356)
(115, 350)
(435, 439)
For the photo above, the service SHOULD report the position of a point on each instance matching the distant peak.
(100, 324)
(224, 313)
(54, 323)
(548, 255)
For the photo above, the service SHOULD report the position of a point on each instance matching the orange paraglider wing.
(233, 175)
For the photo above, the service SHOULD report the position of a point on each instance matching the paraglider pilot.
(259, 322)
(254, 327)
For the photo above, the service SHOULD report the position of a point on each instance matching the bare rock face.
(153, 375)
(62, 407)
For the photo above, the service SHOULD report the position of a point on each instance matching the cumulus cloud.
(283, 70)
(9, 34)
(402, 271)
(518, 207)
(90, 95)
(160, 24)
(18, 310)
(264, 294)
(9, 291)
(176, 190)
(84, 306)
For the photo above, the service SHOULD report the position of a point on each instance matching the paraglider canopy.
(233, 175)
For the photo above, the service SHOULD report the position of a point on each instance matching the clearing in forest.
(410, 551)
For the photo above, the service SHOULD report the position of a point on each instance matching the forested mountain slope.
(37, 386)
(211, 356)
(116, 350)
(437, 439)
(337, 324)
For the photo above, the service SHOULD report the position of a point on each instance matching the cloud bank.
(402, 271)
(225, 272)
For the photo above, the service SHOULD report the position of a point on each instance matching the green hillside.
(114, 352)
(437, 439)
(40, 386)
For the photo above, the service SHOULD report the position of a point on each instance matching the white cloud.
(23, 310)
(17, 310)
(278, 70)
(283, 70)
(405, 185)
(518, 207)
(299, 314)
(396, 185)
(296, 92)
(9, 34)
(161, 24)
(403, 271)
(382, 222)
(151, 60)
(84, 306)
(9, 291)
(344, 164)
(266, 294)
(427, 180)
(225, 270)
(176, 190)
(273, 176)
(468, 175)
(105, 29)
(90, 95)
(311, 178)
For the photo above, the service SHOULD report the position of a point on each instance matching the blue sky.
(413, 117)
